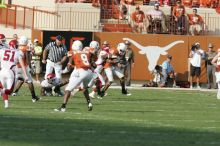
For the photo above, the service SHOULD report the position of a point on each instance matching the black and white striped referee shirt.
(56, 53)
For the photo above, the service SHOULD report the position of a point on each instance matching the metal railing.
(76, 20)
(69, 19)
(20, 16)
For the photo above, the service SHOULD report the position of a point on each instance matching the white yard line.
(139, 87)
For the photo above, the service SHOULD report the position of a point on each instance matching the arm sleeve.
(48, 46)
(164, 65)
(65, 51)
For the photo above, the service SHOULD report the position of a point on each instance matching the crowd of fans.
(156, 21)
(178, 22)
(125, 3)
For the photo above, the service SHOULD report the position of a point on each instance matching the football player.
(97, 78)
(81, 74)
(115, 64)
(9, 57)
(216, 63)
(50, 82)
(26, 55)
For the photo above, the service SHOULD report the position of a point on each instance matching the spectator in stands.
(145, 2)
(168, 72)
(210, 68)
(123, 10)
(138, 18)
(154, 16)
(124, 6)
(196, 55)
(129, 55)
(196, 23)
(95, 3)
(153, 2)
(172, 2)
(36, 58)
(179, 16)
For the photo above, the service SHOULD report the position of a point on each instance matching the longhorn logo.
(152, 52)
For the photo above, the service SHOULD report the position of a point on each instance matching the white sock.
(6, 103)
(218, 92)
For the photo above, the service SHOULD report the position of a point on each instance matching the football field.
(147, 118)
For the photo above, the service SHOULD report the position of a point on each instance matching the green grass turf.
(147, 118)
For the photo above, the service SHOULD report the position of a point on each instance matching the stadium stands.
(103, 18)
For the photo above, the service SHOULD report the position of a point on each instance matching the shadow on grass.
(28, 131)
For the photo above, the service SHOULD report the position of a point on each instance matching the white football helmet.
(23, 40)
(77, 46)
(121, 48)
(94, 44)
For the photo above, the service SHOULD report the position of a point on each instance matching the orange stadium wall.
(37, 34)
(180, 51)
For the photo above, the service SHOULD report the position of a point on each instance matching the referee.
(54, 55)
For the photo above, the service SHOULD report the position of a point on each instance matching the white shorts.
(97, 74)
(53, 66)
(79, 76)
(7, 78)
(114, 70)
(217, 74)
(20, 74)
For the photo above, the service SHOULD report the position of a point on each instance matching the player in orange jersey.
(81, 74)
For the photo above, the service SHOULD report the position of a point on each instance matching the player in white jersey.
(50, 82)
(216, 63)
(9, 58)
(26, 56)
(97, 77)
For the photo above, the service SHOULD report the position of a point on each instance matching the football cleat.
(98, 97)
(49, 94)
(126, 93)
(14, 94)
(35, 99)
(102, 94)
(90, 106)
(92, 94)
(60, 109)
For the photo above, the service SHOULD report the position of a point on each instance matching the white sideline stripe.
(139, 87)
